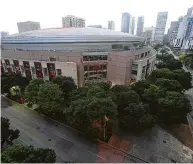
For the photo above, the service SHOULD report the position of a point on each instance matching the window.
(45, 71)
(91, 68)
(148, 52)
(7, 62)
(104, 57)
(59, 72)
(145, 53)
(103, 66)
(85, 68)
(85, 58)
(143, 70)
(52, 58)
(142, 55)
(134, 72)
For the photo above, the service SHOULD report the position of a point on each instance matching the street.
(38, 131)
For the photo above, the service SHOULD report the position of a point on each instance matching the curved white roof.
(70, 35)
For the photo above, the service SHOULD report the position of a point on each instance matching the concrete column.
(139, 70)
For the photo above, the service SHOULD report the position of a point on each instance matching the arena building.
(86, 54)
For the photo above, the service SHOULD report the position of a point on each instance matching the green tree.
(31, 91)
(49, 99)
(157, 47)
(140, 86)
(28, 154)
(169, 85)
(184, 78)
(7, 134)
(161, 73)
(66, 84)
(79, 93)
(175, 106)
(76, 114)
(171, 64)
(153, 93)
(98, 108)
(9, 80)
(165, 57)
(136, 118)
(105, 86)
(96, 91)
(125, 98)
(163, 51)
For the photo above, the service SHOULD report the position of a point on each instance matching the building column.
(139, 70)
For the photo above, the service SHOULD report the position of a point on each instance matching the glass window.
(104, 57)
(59, 72)
(7, 62)
(85, 68)
(142, 55)
(145, 53)
(52, 58)
(134, 72)
(104, 74)
(91, 68)
(104, 66)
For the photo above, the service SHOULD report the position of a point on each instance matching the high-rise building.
(95, 26)
(126, 23)
(190, 11)
(173, 31)
(160, 26)
(140, 25)
(28, 26)
(72, 21)
(185, 34)
(111, 25)
(133, 26)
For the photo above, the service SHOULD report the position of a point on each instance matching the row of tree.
(17, 153)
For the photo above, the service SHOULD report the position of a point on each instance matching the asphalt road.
(40, 132)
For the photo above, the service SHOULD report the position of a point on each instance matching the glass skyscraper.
(126, 23)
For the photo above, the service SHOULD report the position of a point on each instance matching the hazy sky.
(50, 12)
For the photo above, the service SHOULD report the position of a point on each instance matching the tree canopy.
(28, 154)
(31, 91)
(7, 134)
(49, 98)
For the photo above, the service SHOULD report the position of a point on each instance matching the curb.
(77, 131)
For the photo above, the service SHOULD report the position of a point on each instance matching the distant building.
(4, 33)
(148, 34)
(140, 25)
(28, 26)
(160, 26)
(95, 26)
(72, 21)
(166, 39)
(126, 23)
(173, 31)
(111, 25)
(133, 26)
(190, 11)
(185, 34)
